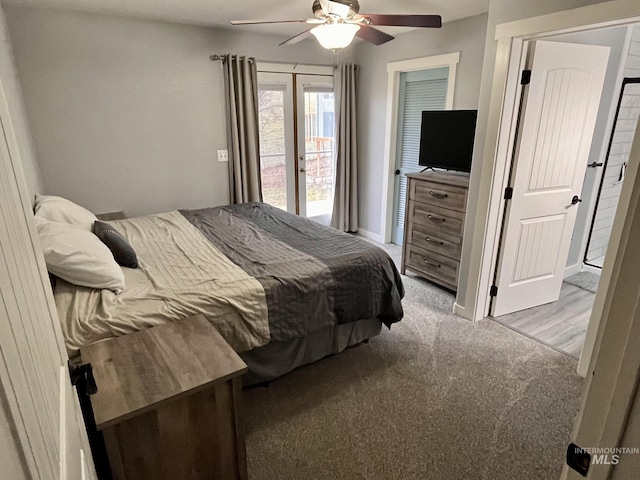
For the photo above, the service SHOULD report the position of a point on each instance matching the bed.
(283, 291)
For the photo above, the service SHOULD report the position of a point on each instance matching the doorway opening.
(614, 166)
(562, 324)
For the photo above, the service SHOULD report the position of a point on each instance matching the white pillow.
(58, 209)
(79, 257)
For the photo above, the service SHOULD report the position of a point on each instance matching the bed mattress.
(257, 273)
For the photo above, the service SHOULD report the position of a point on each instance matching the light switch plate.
(223, 155)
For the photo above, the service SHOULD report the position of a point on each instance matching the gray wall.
(128, 114)
(13, 93)
(500, 11)
(615, 39)
(465, 36)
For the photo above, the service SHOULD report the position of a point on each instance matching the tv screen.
(446, 139)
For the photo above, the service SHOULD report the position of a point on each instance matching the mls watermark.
(606, 455)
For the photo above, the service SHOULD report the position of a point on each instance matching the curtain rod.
(217, 57)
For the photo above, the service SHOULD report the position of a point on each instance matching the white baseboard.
(590, 269)
(572, 270)
(461, 311)
(370, 235)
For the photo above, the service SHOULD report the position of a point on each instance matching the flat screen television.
(446, 139)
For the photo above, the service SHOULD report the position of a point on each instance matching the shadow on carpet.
(437, 397)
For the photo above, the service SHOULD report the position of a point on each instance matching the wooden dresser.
(434, 222)
(168, 403)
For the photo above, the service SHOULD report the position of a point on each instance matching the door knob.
(575, 200)
(397, 172)
(302, 170)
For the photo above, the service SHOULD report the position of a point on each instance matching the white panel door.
(559, 112)
(34, 378)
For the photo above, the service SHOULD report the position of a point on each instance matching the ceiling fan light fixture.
(334, 36)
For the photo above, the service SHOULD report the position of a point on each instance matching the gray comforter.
(313, 276)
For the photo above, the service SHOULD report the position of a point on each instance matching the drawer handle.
(441, 196)
(436, 219)
(435, 242)
(430, 264)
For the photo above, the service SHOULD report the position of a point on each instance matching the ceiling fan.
(338, 21)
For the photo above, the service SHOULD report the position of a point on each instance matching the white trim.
(371, 236)
(459, 310)
(63, 422)
(394, 70)
(605, 14)
(275, 67)
(572, 270)
(424, 63)
(595, 271)
(500, 132)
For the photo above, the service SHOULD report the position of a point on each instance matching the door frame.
(487, 185)
(394, 69)
(503, 302)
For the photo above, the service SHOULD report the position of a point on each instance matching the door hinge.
(493, 291)
(82, 377)
(578, 459)
(525, 79)
(508, 193)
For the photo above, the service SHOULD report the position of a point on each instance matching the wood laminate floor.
(561, 325)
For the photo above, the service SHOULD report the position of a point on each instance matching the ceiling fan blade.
(255, 22)
(324, 5)
(373, 35)
(297, 38)
(429, 21)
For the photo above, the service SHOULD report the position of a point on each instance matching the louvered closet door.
(421, 90)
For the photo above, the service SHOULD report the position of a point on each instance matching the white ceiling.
(220, 12)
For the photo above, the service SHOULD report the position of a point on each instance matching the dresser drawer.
(435, 240)
(440, 219)
(444, 196)
(440, 269)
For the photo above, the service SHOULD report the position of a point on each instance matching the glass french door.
(297, 125)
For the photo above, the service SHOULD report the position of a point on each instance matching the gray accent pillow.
(123, 253)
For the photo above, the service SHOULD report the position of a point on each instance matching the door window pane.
(319, 109)
(273, 170)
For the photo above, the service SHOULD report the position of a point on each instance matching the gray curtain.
(345, 202)
(241, 87)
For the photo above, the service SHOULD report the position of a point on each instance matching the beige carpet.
(436, 397)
